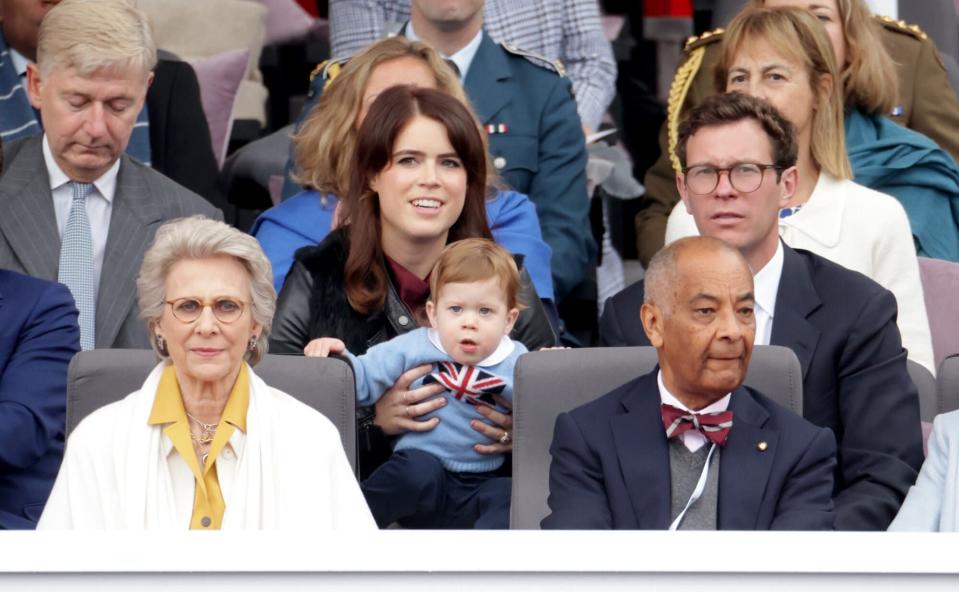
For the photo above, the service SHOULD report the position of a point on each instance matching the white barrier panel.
(510, 560)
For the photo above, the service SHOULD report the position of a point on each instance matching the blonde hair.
(797, 35)
(868, 77)
(325, 146)
(197, 237)
(92, 35)
(476, 260)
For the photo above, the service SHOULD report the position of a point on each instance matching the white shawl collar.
(821, 217)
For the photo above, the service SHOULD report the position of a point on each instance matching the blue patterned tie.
(76, 262)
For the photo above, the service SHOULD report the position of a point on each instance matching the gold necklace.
(207, 431)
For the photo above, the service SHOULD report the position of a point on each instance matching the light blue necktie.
(76, 262)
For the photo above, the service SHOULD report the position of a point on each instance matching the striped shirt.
(567, 30)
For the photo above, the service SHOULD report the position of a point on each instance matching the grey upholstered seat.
(948, 384)
(928, 390)
(548, 383)
(98, 377)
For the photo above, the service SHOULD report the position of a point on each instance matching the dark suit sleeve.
(291, 323)
(610, 334)
(620, 324)
(532, 328)
(559, 190)
(33, 384)
(805, 502)
(179, 133)
(881, 445)
(577, 494)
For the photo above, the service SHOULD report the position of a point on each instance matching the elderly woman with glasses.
(783, 55)
(204, 443)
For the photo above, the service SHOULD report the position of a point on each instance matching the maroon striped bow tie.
(715, 426)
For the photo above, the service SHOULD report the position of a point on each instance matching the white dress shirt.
(765, 289)
(20, 62)
(692, 439)
(463, 58)
(99, 205)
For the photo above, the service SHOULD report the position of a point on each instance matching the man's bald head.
(663, 270)
(698, 314)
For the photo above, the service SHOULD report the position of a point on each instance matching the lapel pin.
(762, 446)
(496, 128)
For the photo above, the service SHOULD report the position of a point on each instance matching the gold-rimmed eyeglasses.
(745, 177)
(226, 310)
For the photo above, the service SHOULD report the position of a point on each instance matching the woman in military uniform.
(869, 50)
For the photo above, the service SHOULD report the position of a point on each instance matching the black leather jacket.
(313, 304)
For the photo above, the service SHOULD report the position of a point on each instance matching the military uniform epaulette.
(537, 59)
(694, 50)
(902, 27)
(704, 39)
(327, 70)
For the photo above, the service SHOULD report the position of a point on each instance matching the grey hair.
(92, 35)
(197, 237)
(663, 270)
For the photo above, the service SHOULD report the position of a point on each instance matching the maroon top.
(412, 290)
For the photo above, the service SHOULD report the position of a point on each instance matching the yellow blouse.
(208, 504)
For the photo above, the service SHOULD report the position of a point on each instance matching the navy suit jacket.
(842, 327)
(610, 465)
(38, 337)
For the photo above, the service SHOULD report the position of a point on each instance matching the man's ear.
(34, 85)
(681, 188)
(789, 182)
(652, 318)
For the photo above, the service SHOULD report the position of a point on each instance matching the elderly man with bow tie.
(687, 446)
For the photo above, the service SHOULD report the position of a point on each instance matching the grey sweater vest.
(685, 467)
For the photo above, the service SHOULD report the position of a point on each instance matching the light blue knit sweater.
(452, 440)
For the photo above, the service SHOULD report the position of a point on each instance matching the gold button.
(205, 521)
(762, 446)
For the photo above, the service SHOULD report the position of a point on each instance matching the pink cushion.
(220, 77)
(285, 21)
(940, 284)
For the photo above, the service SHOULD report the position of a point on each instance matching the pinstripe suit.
(30, 240)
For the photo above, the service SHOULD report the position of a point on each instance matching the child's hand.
(323, 347)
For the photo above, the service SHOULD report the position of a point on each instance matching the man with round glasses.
(840, 324)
